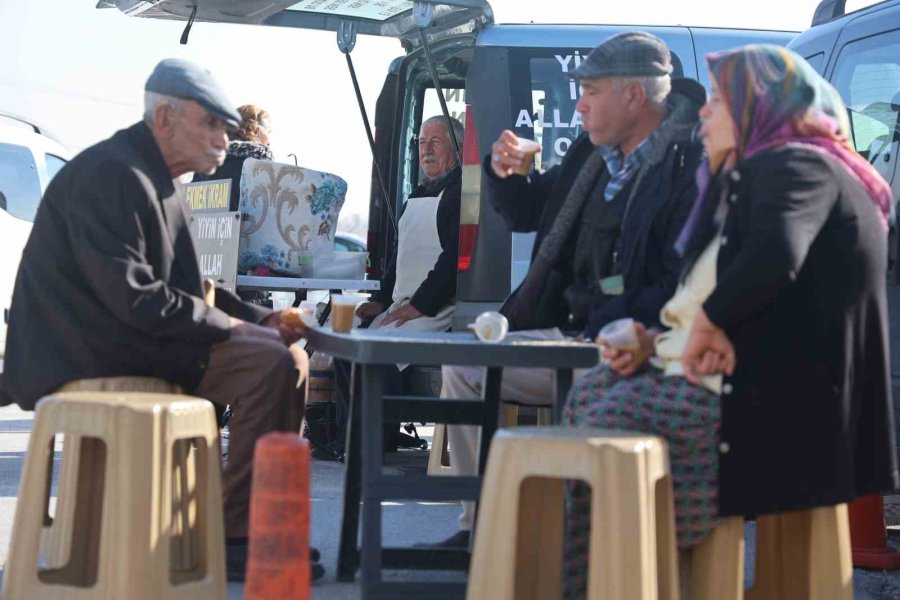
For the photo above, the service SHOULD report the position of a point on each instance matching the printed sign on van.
(552, 115)
(216, 237)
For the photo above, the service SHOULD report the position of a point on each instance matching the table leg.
(490, 393)
(372, 415)
(563, 384)
(348, 554)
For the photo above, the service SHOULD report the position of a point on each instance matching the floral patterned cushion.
(289, 214)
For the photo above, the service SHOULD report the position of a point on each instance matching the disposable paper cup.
(491, 327)
(530, 147)
(343, 309)
(309, 313)
(621, 334)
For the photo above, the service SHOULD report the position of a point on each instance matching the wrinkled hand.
(708, 351)
(288, 334)
(369, 310)
(507, 157)
(244, 329)
(627, 362)
(405, 313)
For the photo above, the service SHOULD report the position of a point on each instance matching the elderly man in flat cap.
(606, 219)
(109, 285)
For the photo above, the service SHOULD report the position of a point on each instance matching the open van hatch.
(387, 18)
(418, 25)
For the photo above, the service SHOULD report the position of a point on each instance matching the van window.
(54, 164)
(867, 75)
(19, 183)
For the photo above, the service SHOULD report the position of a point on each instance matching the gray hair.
(655, 88)
(458, 127)
(153, 100)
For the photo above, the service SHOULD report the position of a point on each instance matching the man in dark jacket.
(606, 218)
(109, 285)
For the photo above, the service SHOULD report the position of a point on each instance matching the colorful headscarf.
(776, 97)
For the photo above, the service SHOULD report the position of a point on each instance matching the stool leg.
(717, 563)
(83, 566)
(436, 463)
(539, 549)
(510, 415)
(666, 540)
(622, 557)
(803, 555)
(56, 538)
(492, 571)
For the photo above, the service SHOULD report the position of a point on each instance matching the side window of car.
(54, 164)
(20, 187)
(867, 75)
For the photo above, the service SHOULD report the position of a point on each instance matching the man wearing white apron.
(418, 290)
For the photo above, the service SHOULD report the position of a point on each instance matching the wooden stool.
(519, 535)
(439, 458)
(145, 509)
(800, 555)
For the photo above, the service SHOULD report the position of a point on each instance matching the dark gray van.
(859, 53)
(491, 76)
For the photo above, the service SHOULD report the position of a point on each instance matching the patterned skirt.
(686, 415)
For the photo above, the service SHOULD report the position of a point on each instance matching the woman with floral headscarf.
(772, 386)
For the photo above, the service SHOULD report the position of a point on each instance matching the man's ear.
(162, 119)
(636, 96)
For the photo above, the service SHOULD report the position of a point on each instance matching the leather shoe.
(333, 452)
(236, 563)
(457, 541)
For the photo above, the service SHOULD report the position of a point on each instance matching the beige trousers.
(528, 386)
(265, 383)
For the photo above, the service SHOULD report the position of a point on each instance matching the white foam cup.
(491, 327)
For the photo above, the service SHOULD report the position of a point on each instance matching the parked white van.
(29, 158)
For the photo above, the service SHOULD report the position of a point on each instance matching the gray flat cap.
(629, 54)
(184, 79)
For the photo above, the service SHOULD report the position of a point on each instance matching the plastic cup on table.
(343, 309)
(490, 327)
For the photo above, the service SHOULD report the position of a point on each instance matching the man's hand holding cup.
(512, 155)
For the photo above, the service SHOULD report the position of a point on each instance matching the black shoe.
(457, 541)
(333, 452)
(236, 563)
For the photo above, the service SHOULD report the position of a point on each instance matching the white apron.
(418, 249)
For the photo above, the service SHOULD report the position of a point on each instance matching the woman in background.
(250, 139)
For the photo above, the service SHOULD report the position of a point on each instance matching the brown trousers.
(265, 383)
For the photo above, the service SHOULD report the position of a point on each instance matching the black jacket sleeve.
(788, 203)
(108, 236)
(237, 308)
(439, 288)
(519, 200)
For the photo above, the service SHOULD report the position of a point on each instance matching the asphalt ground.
(405, 523)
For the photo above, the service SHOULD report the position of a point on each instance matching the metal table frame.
(369, 352)
(291, 284)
